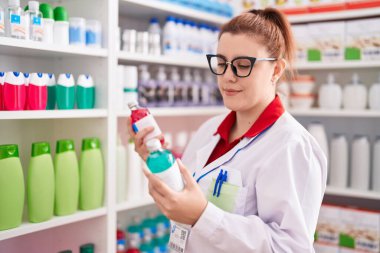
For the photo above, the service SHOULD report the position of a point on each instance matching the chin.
(233, 105)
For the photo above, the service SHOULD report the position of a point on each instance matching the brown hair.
(271, 28)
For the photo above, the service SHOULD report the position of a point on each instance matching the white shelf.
(27, 228)
(353, 193)
(334, 15)
(181, 111)
(11, 46)
(338, 65)
(336, 114)
(160, 9)
(194, 62)
(53, 114)
(134, 204)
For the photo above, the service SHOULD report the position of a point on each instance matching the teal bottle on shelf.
(51, 87)
(12, 189)
(65, 92)
(40, 183)
(66, 178)
(85, 92)
(91, 170)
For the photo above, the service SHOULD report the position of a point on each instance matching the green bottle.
(12, 190)
(91, 170)
(85, 92)
(40, 183)
(51, 87)
(65, 92)
(66, 178)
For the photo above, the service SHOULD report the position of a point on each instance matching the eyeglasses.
(241, 66)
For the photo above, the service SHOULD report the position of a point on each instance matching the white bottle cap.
(38, 79)
(132, 104)
(85, 81)
(51, 79)
(153, 144)
(130, 77)
(33, 6)
(2, 78)
(15, 78)
(66, 80)
(13, 3)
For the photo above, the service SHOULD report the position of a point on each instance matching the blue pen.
(218, 179)
(223, 179)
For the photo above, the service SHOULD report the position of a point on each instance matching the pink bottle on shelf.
(2, 77)
(27, 78)
(37, 92)
(14, 91)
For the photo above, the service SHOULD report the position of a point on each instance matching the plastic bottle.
(142, 118)
(196, 88)
(170, 37)
(162, 92)
(91, 171)
(93, 33)
(14, 91)
(85, 92)
(66, 178)
(175, 87)
(27, 79)
(162, 163)
(61, 26)
(48, 22)
(213, 96)
(317, 130)
(330, 94)
(37, 92)
(187, 82)
(374, 96)
(2, 78)
(2, 21)
(129, 84)
(360, 163)
(11, 187)
(40, 184)
(134, 233)
(155, 35)
(77, 31)
(339, 162)
(121, 170)
(355, 95)
(376, 165)
(87, 248)
(181, 37)
(15, 23)
(36, 25)
(51, 89)
(65, 92)
(147, 88)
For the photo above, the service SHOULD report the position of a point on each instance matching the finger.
(146, 172)
(143, 133)
(158, 198)
(187, 177)
(129, 128)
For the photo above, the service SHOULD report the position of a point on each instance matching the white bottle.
(203, 38)
(121, 171)
(376, 165)
(129, 85)
(162, 92)
(187, 37)
(355, 95)
(2, 22)
(170, 37)
(360, 164)
(317, 130)
(36, 26)
(213, 88)
(374, 96)
(15, 23)
(181, 43)
(187, 82)
(330, 94)
(155, 35)
(196, 89)
(134, 173)
(339, 162)
(147, 88)
(175, 87)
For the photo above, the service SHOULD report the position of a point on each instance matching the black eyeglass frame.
(253, 60)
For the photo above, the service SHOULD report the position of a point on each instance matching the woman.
(255, 178)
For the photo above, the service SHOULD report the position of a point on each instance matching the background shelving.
(54, 114)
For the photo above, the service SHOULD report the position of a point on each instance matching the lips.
(231, 92)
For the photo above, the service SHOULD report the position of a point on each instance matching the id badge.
(178, 238)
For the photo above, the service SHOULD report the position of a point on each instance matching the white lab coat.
(283, 177)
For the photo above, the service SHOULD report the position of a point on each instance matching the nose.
(229, 75)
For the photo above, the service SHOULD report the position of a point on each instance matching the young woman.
(255, 178)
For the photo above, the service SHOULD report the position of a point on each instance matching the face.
(244, 94)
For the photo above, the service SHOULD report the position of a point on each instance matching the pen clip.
(222, 180)
(220, 176)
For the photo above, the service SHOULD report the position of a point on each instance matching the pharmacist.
(255, 178)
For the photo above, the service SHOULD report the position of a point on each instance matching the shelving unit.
(134, 204)
(353, 193)
(54, 114)
(338, 65)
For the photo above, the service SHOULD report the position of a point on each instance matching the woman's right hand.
(138, 139)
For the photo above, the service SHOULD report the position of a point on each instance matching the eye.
(241, 66)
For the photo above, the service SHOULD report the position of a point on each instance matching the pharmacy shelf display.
(54, 114)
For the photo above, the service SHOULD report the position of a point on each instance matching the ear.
(279, 69)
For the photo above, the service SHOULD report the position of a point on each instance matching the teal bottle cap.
(60, 14)
(40, 148)
(8, 151)
(90, 143)
(47, 11)
(87, 248)
(65, 145)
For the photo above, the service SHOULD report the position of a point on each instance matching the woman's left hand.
(184, 207)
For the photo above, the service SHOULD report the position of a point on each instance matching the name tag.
(178, 238)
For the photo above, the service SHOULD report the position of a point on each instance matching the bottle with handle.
(66, 178)
(11, 187)
(40, 183)
(91, 171)
(360, 163)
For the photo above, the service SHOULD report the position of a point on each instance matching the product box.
(328, 227)
(363, 39)
(303, 41)
(328, 41)
(326, 5)
(360, 231)
(321, 248)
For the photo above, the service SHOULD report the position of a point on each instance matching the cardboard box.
(329, 226)
(303, 41)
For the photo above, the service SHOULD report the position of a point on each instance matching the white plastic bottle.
(360, 164)
(376, 165)
(147, 87)
(36, 26)
(317, 130)
(2, 22)
(130, 83)
(203, 38)
(187, 82)
(339, 161)
(175, 89)
(374, 96)
(196, 89)
(170, 36)
(187, 37)
(355, 95)
(155, 35)
(121, 170)
(330, 94)
(181, 37)
(162, 92)
(15, 24)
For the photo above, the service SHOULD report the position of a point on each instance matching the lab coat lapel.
(204, 153)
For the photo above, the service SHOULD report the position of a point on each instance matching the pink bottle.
(2, 77)
(37, 92)
(26, 76)
(14, 91)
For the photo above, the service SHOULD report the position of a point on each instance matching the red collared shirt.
(269, 116)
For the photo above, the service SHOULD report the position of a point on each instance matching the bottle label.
(172, 177)
(146, 122)
(37, 30)
(17, 26)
